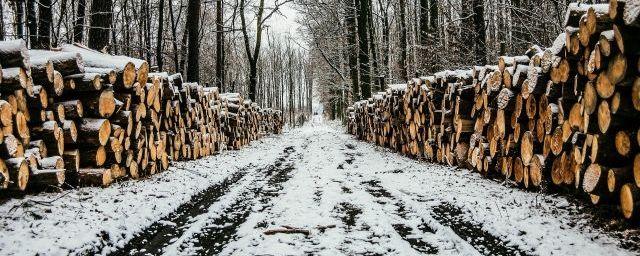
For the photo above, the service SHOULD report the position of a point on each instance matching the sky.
(286, 24)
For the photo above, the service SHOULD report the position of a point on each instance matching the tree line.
(359, 46)
(223, 43)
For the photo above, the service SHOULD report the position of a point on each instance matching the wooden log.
(98, 177)
(14, 53)
(630, 201)
(94, 131)
(18, 173)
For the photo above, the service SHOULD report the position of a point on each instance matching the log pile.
(562, 117)
(79, 117)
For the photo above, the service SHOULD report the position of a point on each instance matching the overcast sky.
(286, 24)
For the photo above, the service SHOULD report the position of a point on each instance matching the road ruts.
(155, 239)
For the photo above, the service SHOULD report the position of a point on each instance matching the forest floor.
(352, 197)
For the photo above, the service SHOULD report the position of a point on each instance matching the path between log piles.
(353, 197)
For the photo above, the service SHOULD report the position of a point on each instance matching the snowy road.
(353, 197)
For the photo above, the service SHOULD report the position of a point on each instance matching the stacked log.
(560, 117)
(79, 117)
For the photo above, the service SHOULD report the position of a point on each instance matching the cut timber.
(630, 201)
(94, 131)
(4, 175)
(47, 177)
(14, 53)
(594, 179)
(98, 177)
(18, 173)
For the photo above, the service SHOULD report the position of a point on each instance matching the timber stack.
(562, 117)
(79, 117)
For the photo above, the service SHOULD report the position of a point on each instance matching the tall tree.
(101, 19)
(220, 45)
(32, 21)
(78, 26)
(352, 47)
(44, 25)
(160, 33)
(2, 22)
(363, 52)
(193, 30)
(479, 28)
(402, 61)
(424, 21)
(253, 55)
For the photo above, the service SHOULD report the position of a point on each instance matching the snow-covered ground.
(353, 197)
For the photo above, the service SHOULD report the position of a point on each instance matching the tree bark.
(479, 28)
(193, 28)
(44, 25)
(101, 20)
(78, 26)
(363, 53)
(32, 22)
(424, 21)
(220, 45)
(402, 61)
(352, 48)
(160, 34)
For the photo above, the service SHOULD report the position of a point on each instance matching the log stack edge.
(564, 117)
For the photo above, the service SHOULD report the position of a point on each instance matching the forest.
(345, 49)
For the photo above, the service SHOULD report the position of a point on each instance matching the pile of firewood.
(561, 117)
(80, 117)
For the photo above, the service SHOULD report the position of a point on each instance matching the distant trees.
(416, 38)
(205, 40)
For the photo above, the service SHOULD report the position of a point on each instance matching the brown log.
(98, 177)
(18, 173)
(630, 201)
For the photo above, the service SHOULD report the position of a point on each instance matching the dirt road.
(352, 197)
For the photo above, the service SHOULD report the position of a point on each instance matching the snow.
(369, 193)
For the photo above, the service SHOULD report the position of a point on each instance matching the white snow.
(333, 174)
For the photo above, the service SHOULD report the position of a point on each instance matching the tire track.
(486, 243)
(153, 239)
(222, 230)
(407, 233)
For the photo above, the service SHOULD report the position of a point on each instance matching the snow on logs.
(563, 116)
(78, 117)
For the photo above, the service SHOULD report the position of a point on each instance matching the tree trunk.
(479, 28)
(193, 28)
(101, 19)
(220, 45)
(78, 26)
(352, 48)
(402, 61)
(160, 33)
(32, 22)
(19, 19)
(363, 53)
(424, 22)
(44, 25)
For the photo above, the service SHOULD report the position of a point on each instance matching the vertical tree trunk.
(2, 30)
(147, 30)
(424, 21)
(78, 26)
(378, 81)
(402, 61)
(433, 16)
(193, 28)
(363, 53)
(386, 35)
(479, 28)
(174, 37)
(101, 19)
(219, 45)
(160, 33)
(352, 48)
(44, 25)
(32, 22)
